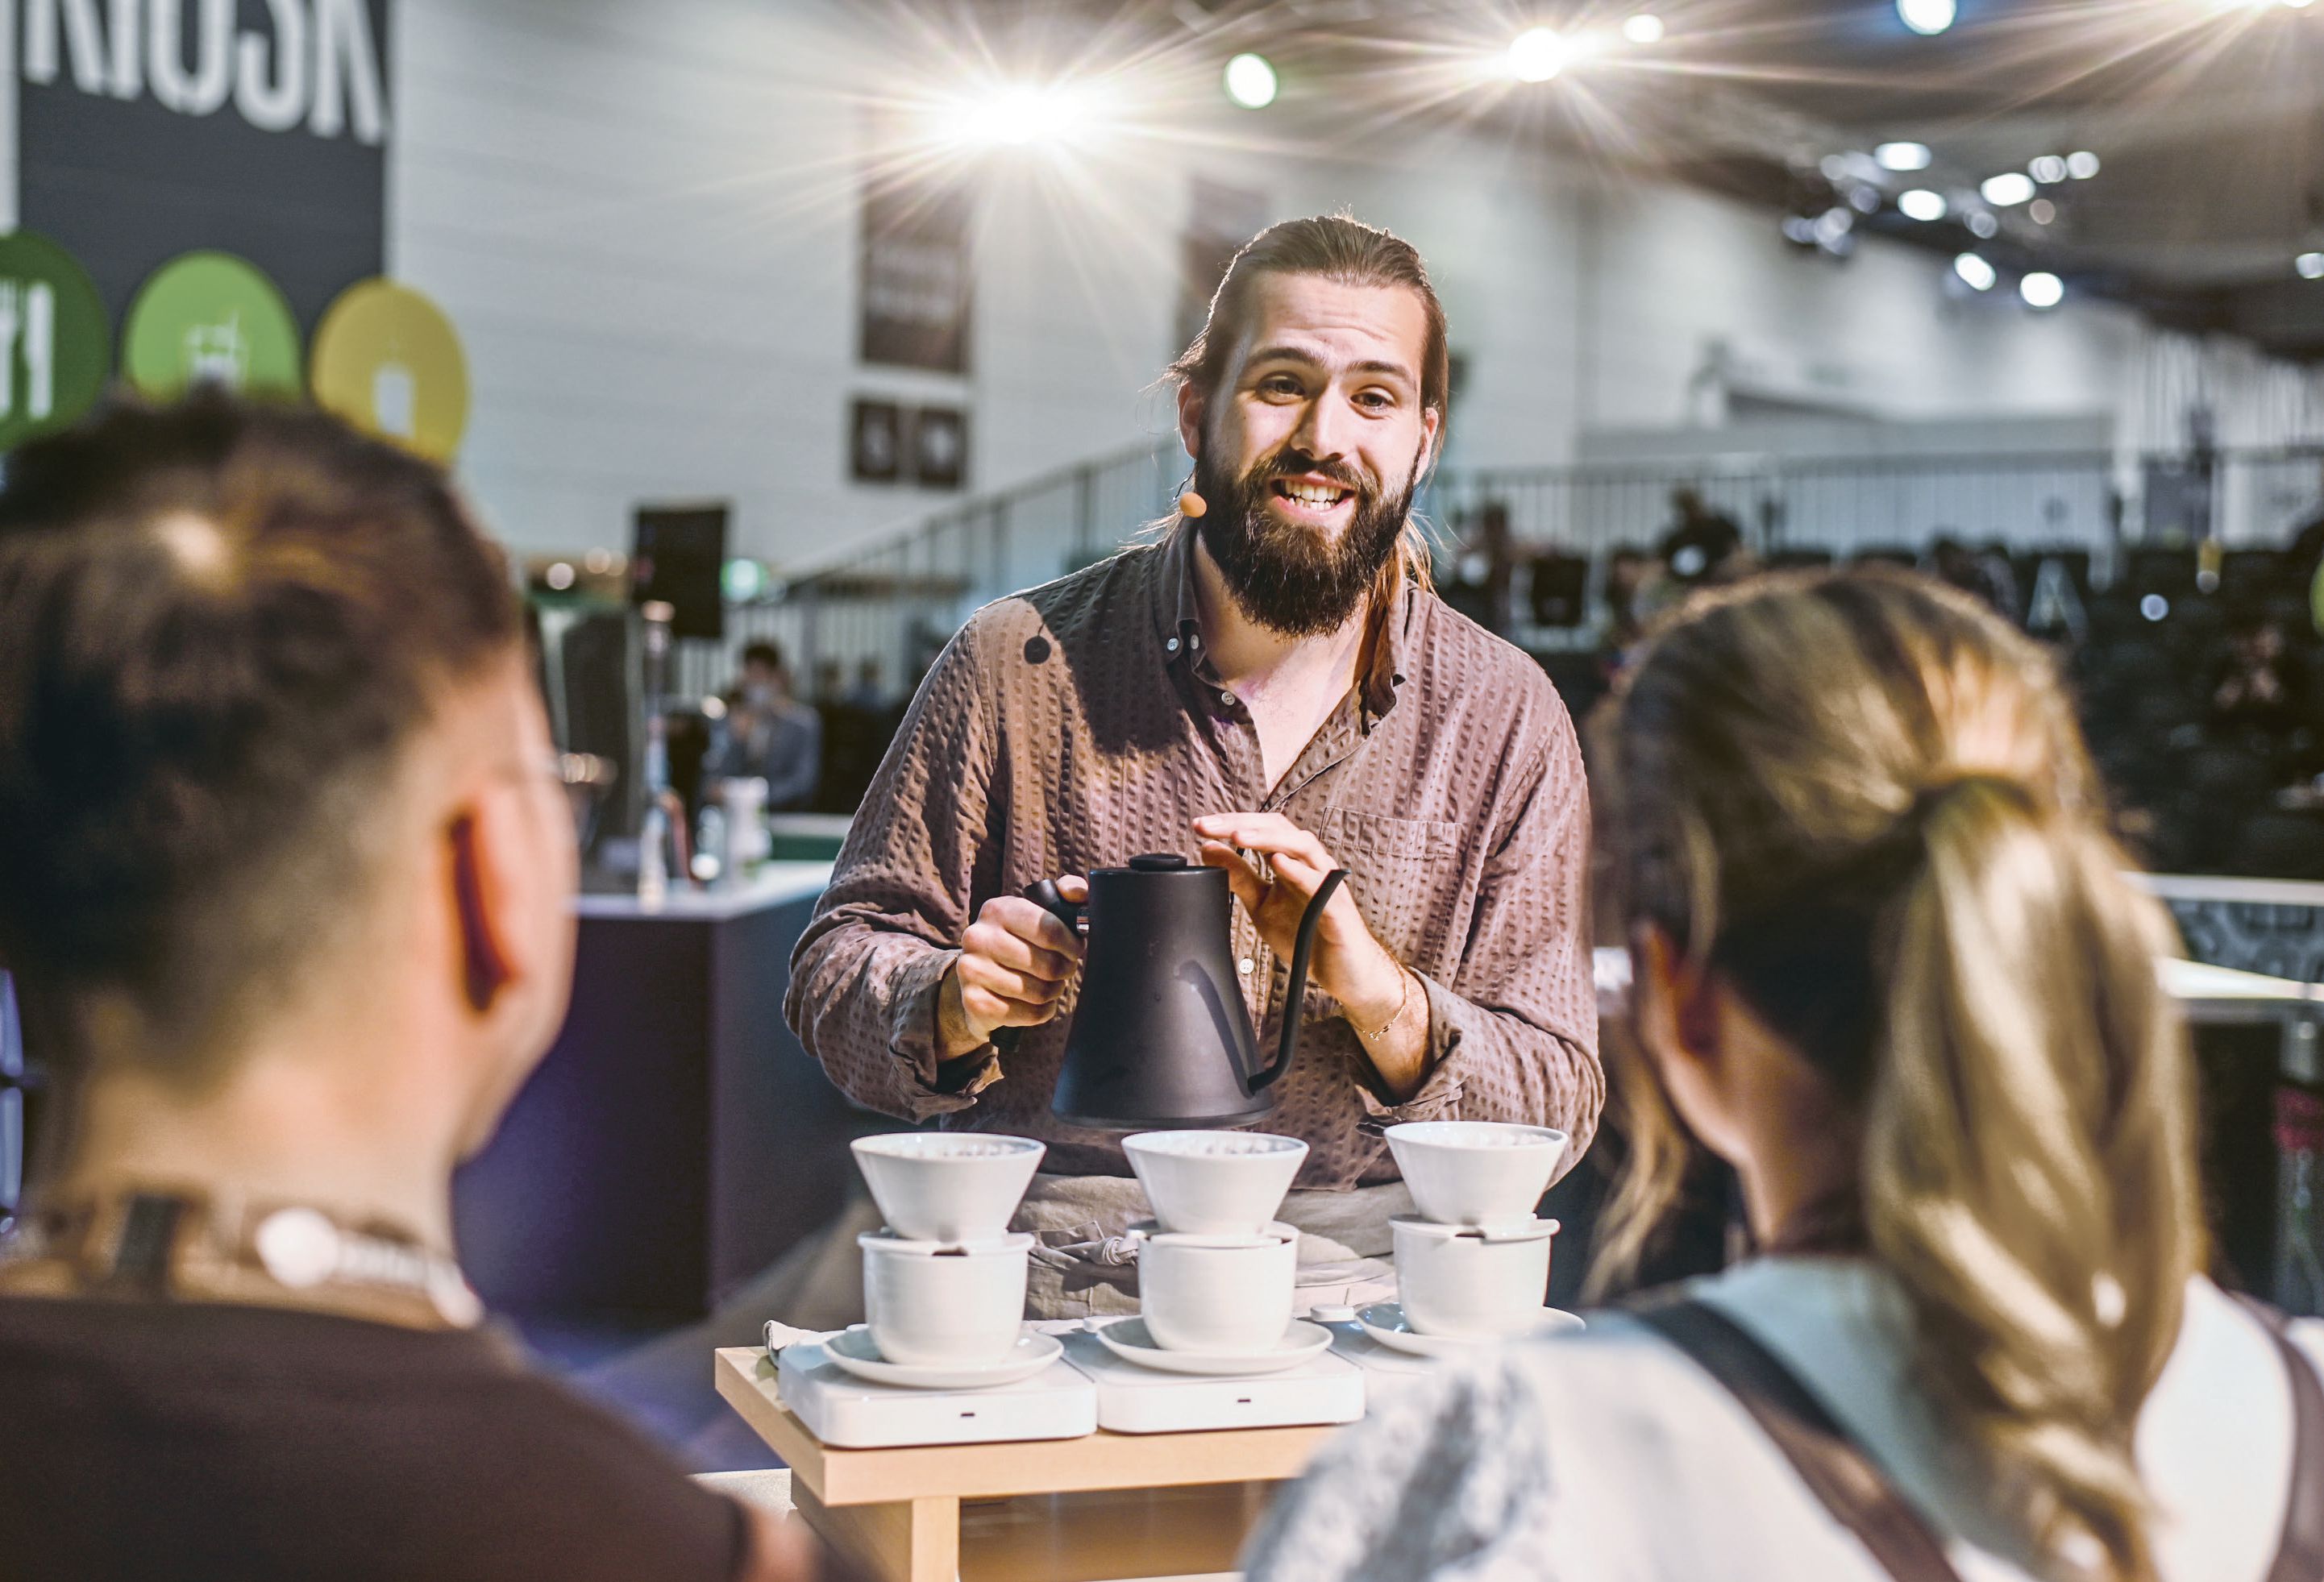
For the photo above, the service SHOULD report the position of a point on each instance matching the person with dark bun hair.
(286, 884)
(1886, 964)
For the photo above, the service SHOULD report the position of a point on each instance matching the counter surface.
(772, 886)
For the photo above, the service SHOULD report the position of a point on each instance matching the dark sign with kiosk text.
(256, 128)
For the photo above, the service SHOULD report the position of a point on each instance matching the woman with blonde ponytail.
(1887, 965)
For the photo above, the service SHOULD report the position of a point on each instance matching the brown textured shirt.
(1078, 725)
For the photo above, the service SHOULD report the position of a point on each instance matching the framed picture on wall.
(940, 447)
(875, 443)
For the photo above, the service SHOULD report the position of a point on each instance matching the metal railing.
(891, 606)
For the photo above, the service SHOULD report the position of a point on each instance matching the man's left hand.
(1348, 964)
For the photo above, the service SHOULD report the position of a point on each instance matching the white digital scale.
(1089, 1389)
(840, 1409)
(1134, 1400)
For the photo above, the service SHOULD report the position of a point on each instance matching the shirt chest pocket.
(1409, 877)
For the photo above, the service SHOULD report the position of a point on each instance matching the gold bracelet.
(1402, 1000)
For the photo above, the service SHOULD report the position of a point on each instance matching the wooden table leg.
(902, 1541)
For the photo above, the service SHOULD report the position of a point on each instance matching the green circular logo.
(56, 339)
(209, 318)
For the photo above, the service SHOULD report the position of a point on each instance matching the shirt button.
(1245, 966)
(1226, 697)
(1172, 645)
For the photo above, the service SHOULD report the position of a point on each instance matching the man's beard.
(1285, 576)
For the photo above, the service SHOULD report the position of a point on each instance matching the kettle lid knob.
(1157, 862)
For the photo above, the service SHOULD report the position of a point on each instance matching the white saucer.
(1127, 1339)
(1385, 1322)
(854, 1353)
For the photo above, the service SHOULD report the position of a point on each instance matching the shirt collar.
(1178, 625)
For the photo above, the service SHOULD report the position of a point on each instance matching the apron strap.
(1834, 1467)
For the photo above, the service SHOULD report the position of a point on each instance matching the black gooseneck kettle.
(1160, 1038)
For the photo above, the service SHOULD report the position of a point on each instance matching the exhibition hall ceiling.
(2203, 205)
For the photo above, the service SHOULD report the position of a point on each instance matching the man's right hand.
(1015, 962)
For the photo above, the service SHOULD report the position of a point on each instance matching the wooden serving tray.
(897, 1511)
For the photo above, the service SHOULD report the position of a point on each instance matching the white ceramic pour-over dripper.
(1476, 1172)
(1215, 1183)
(960, 1187)
(1470, 1281)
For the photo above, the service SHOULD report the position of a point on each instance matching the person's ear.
(1432, 428)
(1190, 419)
(483, 961)
(1674, 1009)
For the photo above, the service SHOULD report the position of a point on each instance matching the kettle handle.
(1297, 1001)
(1044, 893)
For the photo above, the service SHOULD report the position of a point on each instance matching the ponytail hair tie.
(1935, 795)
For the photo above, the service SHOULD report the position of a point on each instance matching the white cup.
(934, 1305)
(1469, 1283)
(1215, 1183)
(1476, 1172)
(1230, 1296)
(947, 1186)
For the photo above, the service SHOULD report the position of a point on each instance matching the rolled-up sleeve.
(867, 972)
(1514, 1034)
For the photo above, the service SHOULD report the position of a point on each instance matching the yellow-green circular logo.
(388, 360)
(210, 318)
(56, 339)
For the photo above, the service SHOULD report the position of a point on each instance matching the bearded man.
(1273, 689)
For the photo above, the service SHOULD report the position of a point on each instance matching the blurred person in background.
(2258, 686)
(868, 691)
(1630, 578)
(286, 881)
(768, 733)
(1887, 965)
(1702, 545)
(1955, 564)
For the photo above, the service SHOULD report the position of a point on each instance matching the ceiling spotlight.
(1250, 81)
(2009, 187)
(1864, 200)
(1927, 17)
(2042, 211)
(1902, 156)
(1983, 224)
(2047, 169)
(1832, 229)
(559, 577)
(1921, 204)
(1799, 228)
(1538, 54)
(2081, 165)
(1017, 116)
(2310, 266)
(1646, 28)
(2042, 289)
(1975, 273)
